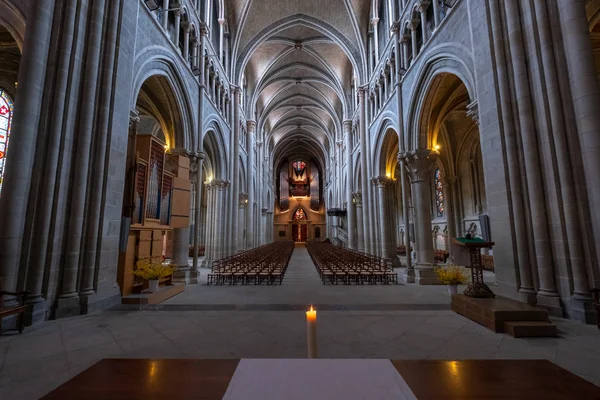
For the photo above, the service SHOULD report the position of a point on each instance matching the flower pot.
(153, 285)
(452, 289)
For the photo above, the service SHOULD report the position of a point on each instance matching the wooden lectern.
(470, 249)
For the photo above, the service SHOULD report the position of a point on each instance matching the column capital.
(134, 117)
(405, 38)
(414, 23)
(424, 5)
(381, 181)
(251, 125)
(218, 184)
(473, 111)
(347, 124)
(395, 27)
(419, 162)
(222, 21)
(374, 21)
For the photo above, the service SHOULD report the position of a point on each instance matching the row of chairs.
(262, 265)
(337, 265)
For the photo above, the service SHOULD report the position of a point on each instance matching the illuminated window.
(6, 112)
(439, 193)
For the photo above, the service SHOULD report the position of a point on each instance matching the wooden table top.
(428, 379)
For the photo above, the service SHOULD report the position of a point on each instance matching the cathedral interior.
(264, 156)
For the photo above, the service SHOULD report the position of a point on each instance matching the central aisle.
(301, 270)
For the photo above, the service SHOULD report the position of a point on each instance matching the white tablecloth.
(304, 379)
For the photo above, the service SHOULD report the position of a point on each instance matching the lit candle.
(311, 332)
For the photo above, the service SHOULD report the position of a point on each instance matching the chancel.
(184, 179)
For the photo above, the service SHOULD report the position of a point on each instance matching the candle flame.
(311, 308)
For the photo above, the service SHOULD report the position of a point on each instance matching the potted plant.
(153, 272)
(451, 276)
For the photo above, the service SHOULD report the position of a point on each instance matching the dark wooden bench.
(19, 310)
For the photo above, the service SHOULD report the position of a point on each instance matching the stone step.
(520, 329)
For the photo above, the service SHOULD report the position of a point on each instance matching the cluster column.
(250, 242)
(357, 201)
(419, 164)
(350, 212)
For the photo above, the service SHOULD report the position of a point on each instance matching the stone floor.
(49, 354)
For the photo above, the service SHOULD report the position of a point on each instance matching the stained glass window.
(439, 193)
(6, 112)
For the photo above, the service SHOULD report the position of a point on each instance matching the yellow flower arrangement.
(452, 275)
(152, 270)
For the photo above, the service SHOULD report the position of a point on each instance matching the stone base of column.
(580, 308)
(425, 275)
(39, 313)
(409, 275)
(551, 303)
(182, 275)
(526, 296)
(194, 277)
(68, 307)
(105, 298)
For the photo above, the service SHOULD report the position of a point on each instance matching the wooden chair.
(20, 310)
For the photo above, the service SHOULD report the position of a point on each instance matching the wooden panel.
(181, 203)
(493, 379)
(150, 379)
(428, 379)
(145, 235)
(180, 222)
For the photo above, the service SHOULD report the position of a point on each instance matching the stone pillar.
(166, 11)
(520, 230)
(250, 240)
(186, 41)
(537, 201)
(177, 28)
(585, 92)
(222, 23)
(449, 183)
(405, 61)
(423, 11)
(235, 190)
(349, 169)
(363, 169)
(17, 178)
(180, 258)
(219, 198)
(419, 164)
(381, 183)
(209, 245)
(436, 12)
(375, 22)
(360, 232)
(413, 31)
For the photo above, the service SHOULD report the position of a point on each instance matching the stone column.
(166, 11)
(209, 247)
(177, 28)
(585, 92)
(381, 183)
(219, 195)
(419, 164)
(375, 21)
(180, 258)
(423, 6)
(413, 32)
(405, 61)
(186, 41)
(363, 169)
(512, 157)
(250, 240)
(360, 231)
(349, 169)
(537, 201)
(25, 129)
(449, 183)
(222, 23)
(235, 190)
(436, 12)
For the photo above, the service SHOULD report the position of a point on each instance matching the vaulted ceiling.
(299, 59)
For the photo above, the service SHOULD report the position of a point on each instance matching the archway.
(156, 201)
(454, 175)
